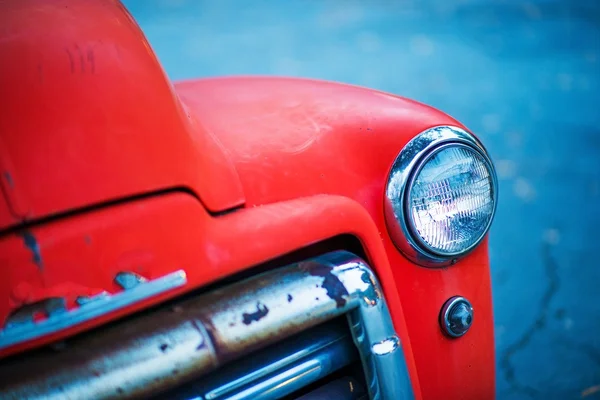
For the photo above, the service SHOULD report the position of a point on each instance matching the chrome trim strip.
(371, 324)
(237, 384)
(289, 380)
(89, 308)
(408, 162)
(297, 377)
(160, 350)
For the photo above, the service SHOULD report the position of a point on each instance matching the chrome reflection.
(162, 349)
(409, 162)
(278, 370)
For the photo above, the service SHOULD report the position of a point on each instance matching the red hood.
(291, 138)
(88, 116)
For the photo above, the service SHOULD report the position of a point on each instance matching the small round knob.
(456, 316)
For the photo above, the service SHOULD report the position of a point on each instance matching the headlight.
(441, 196)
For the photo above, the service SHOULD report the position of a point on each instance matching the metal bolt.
(456, 317)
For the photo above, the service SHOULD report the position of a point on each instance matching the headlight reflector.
(451, 200)
(441, 196)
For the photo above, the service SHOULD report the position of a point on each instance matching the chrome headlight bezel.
(404, 170)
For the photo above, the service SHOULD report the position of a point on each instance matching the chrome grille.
(171, 346)
(279, 370)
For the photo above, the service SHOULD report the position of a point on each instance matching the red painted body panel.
(159, 235)
(84, 100)
(88, 117)
(290, 138)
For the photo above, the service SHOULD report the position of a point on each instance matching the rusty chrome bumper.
(164, 348)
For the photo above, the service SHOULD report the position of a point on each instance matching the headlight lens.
(441, 196)
(451, 200)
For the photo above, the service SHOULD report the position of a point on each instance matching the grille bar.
(278, 370)
(165, 348)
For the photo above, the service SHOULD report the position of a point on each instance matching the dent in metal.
(58, 317)
(404, 167)
(130, 359)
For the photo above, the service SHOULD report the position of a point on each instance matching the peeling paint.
(33, 246)
(261, 312)
(332, 285)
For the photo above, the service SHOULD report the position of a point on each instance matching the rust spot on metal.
(332, 285)
(33, 246)
(261, 312)
(289, 298)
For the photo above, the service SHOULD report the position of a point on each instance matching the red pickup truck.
(229, 238)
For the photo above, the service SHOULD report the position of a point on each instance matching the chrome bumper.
(164, 348)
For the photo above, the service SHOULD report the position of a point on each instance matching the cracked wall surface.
(524, 75)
